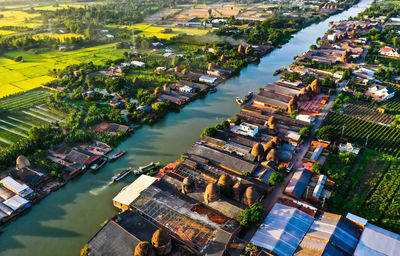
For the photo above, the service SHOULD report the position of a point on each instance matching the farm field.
(28, 99)
(58, 36)
(19, 77)
(380, 138)
(149, 30)
(367, 112)
(19, 19)
(373, 192)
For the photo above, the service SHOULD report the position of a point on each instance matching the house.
(117, 102)
(332, 37)
(380, 92)
(127, 195)
(27, 173)
(305, 118)
(246, 129)
(208, 79)
(17, 203)
(389, 51)
(186, 88)
(22, 190)
(157, 44)
(348, 147)
(138, 63)
(298, 183)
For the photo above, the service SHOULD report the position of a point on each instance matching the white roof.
(15, 202)
(13, 184)
(129, 193)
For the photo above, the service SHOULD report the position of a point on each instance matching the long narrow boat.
(119, 176)
(146, 168)
(118, 155)
(248, 96)
(239, 101)
(95, 167)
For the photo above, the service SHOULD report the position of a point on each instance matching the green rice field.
(16, 77)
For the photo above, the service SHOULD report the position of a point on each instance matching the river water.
(64, 221)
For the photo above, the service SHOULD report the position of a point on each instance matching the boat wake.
(97, 191)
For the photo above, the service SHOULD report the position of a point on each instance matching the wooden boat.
(239, 101)
(146, 168)
(118, 155)
(213, 90)
(119, 176)
(95, 167)
(248, 96)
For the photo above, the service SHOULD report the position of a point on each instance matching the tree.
(19, 59)
(251, 215)
(209, 131)
(327, 82)
(317, 168)
(305, 132)
(276, 178)
(325, 133)
(281, 168)
(210, 12)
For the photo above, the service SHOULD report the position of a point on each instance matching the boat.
(118, 155)
(278, 71)
(213, 90)
(119, 176)
(239, 101)
(95, 167)
(248, 96)
(146, 168)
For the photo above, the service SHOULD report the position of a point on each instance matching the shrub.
(275, 178)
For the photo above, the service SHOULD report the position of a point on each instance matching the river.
(64, 221)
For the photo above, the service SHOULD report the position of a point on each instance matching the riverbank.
(67, 219)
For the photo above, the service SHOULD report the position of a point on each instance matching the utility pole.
(323, 203)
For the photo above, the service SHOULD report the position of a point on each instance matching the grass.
(32, 73)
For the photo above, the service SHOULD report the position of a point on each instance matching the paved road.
(277, 193)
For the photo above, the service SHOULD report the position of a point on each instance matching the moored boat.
(118, 155)
(248, 96)
(119, 176)
(213, 90)
(95, 167)
(146, 168)
(239, 101)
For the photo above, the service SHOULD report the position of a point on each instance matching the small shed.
(298, 183)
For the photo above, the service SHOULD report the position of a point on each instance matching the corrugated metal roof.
(377, 241)
(299, 181)
(282, 230)
(128, 194)
(330, 234)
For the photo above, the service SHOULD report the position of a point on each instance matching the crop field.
(19, 113)
(28, 99)
(381, 138)
(19, 19)
(58, 36)
(367, 112)
(373, 192)
(394, 103)
(150, 30)
(6, 32)
(19, 77)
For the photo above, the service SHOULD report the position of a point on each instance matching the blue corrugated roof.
(299, 181)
